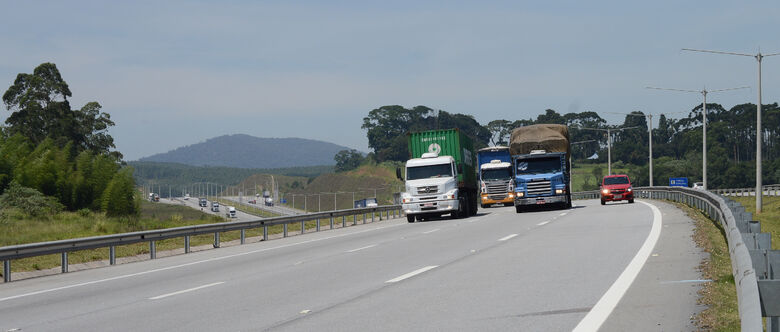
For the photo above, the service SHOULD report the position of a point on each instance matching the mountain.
(244, 151)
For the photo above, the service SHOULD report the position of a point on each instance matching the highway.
(619, 267)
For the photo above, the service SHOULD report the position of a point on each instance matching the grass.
(720, 295)
(582, 178)
(67, 225)
(769, 217)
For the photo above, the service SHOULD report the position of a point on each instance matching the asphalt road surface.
(616, 267)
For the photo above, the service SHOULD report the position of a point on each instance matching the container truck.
(541, 159)
(496, 180)
(366, 202)
(441, 175)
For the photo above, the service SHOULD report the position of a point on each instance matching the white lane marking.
(412, 274)
(507, 237)
(303, 312)
(361, 248)
(599, 313)
(543, 223)
(187, 264)
(431, 231)
(563, 214)
(186, 290)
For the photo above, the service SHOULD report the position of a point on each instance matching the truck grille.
(539, 188)
(427, 190)
(497, 190)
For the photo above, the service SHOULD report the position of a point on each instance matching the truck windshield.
(616, 180)
(538, 165)
(430, 171)
(497, 173)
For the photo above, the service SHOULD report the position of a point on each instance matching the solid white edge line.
(543, 223)
(187, 264)
(361, 248)
(431, 231)
(185, 291)
(507, 237)
(603, 308)
(412, 274)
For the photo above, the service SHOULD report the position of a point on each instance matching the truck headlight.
(559, 191)
(451, 194)
(520, 194)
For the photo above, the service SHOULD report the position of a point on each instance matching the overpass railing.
(63, 247)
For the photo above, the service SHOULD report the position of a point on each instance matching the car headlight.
(629, 189)
(605, 191)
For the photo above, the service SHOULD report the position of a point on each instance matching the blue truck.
(541, 160)
(496, 179)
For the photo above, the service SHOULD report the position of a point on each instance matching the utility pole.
(704, 93)
(609, 143)
(759, 134)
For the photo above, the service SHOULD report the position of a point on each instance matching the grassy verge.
(68, 225)
(720, 295)
(247, 209)
(769, 217)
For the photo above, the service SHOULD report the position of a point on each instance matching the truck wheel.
(410, 218)
(484, 206)
(518, 209)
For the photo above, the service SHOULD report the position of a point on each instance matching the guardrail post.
(331, 222)
(303, 227)
(373, 214)
(64, 261)
(285, 230)
(216, 240)
(243, 236)
(152, 250)
(354, 219)
(112, 255)
(343, 221)
(265, 233)
(318, 224)
(7, 271)
(187, 244)
(364, 218)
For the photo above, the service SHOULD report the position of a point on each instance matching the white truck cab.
(431, 187)
(231, 212)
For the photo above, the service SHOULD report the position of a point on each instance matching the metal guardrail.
(769, 190)
(9, 253)
(752, 303)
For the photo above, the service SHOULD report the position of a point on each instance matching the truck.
(230, 212)
(267, 198)
(541, 160)
(366, 202)
(496, 179)
(202, 202)
(214, 207)
(440, 177)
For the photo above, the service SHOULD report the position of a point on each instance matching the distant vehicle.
(269, 201)
(151, 197)
(616, 188)
(698, 185)
(203, 202)
(366, 202)
(156, 198)
(187, 196)
(214, 207)
(254, 201)
(231, 212)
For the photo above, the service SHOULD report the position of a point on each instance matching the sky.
(175, 73)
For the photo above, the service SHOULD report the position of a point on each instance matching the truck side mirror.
(398, 173)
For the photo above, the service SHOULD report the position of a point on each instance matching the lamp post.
(759, 137)
(704, 93)
(609, 143)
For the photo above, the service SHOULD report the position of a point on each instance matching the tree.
(499, 131)
(40, 109)
(119, 198)
(347, 160)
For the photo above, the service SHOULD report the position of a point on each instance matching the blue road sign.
(678, 182)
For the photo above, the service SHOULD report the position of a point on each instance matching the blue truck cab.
(541, 178)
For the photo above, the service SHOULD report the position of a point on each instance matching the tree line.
(60, 157)
(677, 143)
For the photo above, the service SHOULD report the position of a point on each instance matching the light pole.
(609, 143)
(704, 93)
(759, 137)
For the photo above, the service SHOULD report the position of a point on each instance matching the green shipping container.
(448, 142)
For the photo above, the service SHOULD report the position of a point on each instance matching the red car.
(616, 188)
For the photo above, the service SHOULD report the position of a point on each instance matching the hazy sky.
(176, 73)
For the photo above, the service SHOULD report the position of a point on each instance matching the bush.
(28, 200)
(119, 198)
